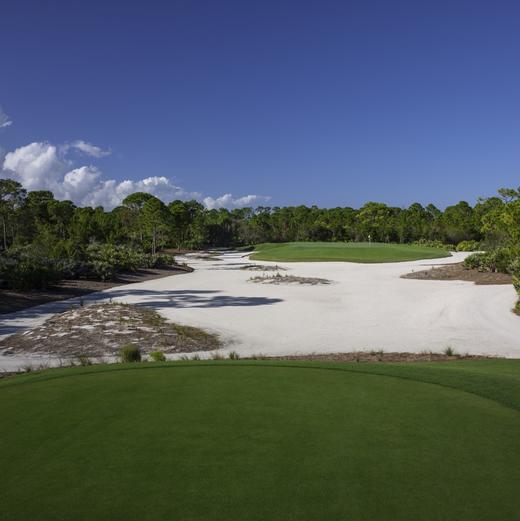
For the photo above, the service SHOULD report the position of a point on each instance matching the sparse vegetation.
(130, 353)
(278, 278)
(158, 356)
(103, 328)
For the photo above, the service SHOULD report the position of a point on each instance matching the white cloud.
(43, 166)
(4, 119)
(38, 166)
(88, 149)
(228, 201)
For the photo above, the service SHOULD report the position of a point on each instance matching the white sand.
(368, 306)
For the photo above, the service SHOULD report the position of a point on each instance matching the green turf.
(344, 251)
(262, 441)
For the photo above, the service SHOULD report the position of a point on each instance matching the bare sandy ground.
(366, 307)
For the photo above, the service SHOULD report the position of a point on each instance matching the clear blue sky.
(328, 102)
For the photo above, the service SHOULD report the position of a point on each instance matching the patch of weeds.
(278, 278)
(449, 351)
(130, 353)
(158, 356)
(233, 355)
(84, 360)
(196, 335)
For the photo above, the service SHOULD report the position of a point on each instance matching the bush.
(468, 246)
(434, 244)
(104, 261)
(130, 353)
(158, 356)
(28, 268)
(499, 260)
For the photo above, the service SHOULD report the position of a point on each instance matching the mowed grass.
(344, 251)
(262, 441)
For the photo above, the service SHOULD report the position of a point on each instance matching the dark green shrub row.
(434, 244)
(25, 268)
(37, 267)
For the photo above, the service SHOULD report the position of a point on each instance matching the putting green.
(340, 251)
(261, 441)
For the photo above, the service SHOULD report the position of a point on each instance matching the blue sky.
(330, 103)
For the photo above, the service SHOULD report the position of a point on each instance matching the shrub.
(449, 351)
(130, 353)
(158, 356)
(498, 260)
(28, 268)
(434, 244)
(233, 355)
(468, 246)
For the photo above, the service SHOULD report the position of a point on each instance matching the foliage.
(92, 242)
(468, 246)
(28, 268)
(498, 260)
(130, 353)
(158, 356)
(431, 243)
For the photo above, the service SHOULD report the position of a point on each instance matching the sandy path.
(368, 306)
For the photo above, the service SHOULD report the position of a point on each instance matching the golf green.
(262, 441)
(344, 251)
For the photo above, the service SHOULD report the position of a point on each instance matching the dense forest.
(43, 239)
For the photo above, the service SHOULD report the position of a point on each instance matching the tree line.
(35, 224)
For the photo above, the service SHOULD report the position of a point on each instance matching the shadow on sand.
(14, 322)
(191, 299)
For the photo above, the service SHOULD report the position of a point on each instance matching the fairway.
(262, 441)
(363, 252)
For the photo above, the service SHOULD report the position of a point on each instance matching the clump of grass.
(158, 356)
(130, 353)
(449, 351)
(259, 356)
(233, 355)
(83, 360)
(195, 334)
(378, 353)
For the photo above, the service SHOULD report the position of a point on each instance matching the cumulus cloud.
(228, 201)
(4, 119)
(43, 166)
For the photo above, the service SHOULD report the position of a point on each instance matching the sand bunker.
(369, 307)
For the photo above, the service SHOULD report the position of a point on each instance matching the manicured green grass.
(262, 441)
(344, 251)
